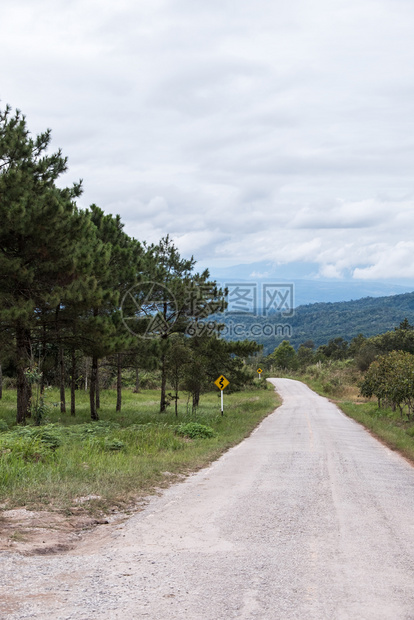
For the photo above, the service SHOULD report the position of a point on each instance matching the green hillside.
(322, 321)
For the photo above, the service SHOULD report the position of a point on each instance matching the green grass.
(121, 457)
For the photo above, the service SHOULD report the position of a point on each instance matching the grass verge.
(123, 456)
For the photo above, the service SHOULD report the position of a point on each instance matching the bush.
(194, 430)
(26, 448)
(112, 445)
(31, 443)
(9, 383)
(50, 437)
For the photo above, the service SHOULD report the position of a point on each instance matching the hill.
(321, 322)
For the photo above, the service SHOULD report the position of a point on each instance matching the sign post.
(222, 383)
(259, 370)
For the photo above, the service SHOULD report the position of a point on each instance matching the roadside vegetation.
(121, 457)
(107, 355)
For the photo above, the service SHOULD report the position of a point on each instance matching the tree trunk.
(22, 346)
(62, 380)
(42, 379)
(163, 401)
(196, 399)
(98, 387)
(29, 400)
(119, 382)
(86, 366)
(92, 389)
(73, 385)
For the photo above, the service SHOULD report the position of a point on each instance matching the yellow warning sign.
(259, 370)
(221, 382)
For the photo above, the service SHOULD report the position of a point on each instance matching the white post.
(222, 407)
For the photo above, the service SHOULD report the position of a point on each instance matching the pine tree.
(44, 239)
(123, 272)
(212, 356)
(189, 297)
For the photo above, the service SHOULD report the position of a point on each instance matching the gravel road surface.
(309, 518)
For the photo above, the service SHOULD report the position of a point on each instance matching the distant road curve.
(309, 518)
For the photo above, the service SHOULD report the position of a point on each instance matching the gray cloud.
(247, 131)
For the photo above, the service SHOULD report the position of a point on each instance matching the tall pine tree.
(190, 297)
(44, 238)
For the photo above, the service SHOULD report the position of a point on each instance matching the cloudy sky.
(250, 131)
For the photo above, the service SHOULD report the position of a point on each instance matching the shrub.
(24, 447)
(50, 437)
(112, 445)
(9, 383)
(194, 430)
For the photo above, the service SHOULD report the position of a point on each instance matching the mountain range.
(321, 321)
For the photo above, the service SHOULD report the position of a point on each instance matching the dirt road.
(309, 518)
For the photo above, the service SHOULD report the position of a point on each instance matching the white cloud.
(247, 131)
(330, 271)
(392, 261)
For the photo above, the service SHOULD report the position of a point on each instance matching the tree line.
(361, 349)
(74, 287)
(387, 361)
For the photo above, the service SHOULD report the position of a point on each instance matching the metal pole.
(222, 407)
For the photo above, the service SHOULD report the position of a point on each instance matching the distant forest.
(322, 322)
